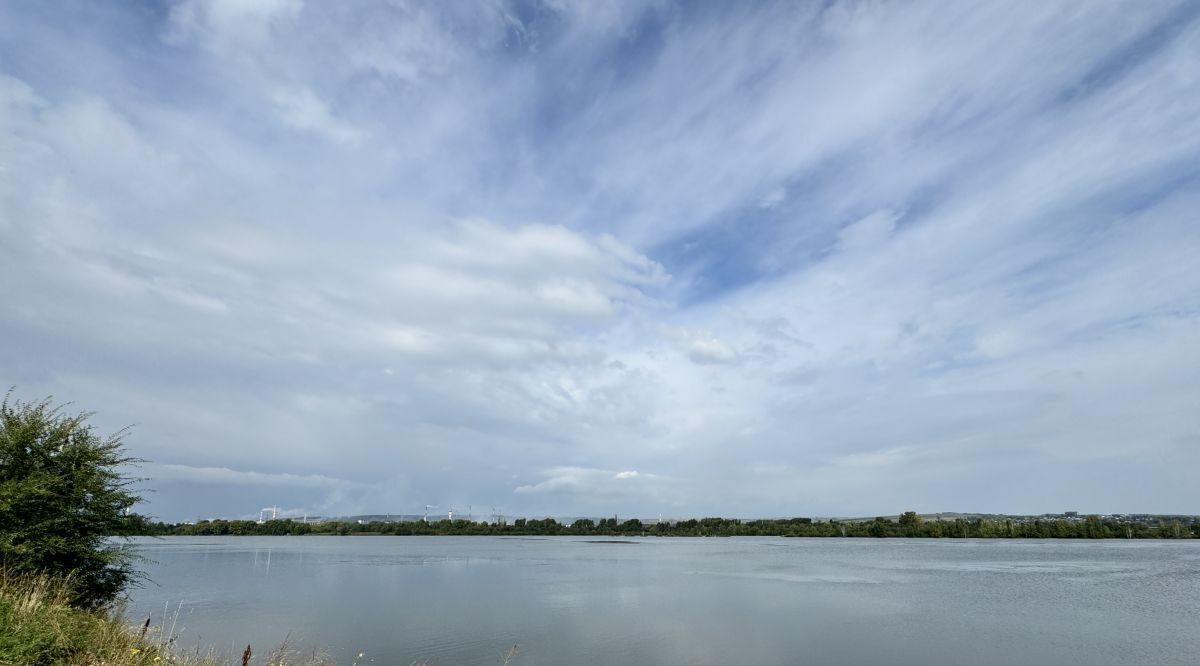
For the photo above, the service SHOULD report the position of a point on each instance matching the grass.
(39, 627)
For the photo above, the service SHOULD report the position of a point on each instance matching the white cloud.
(701, 346)
(879, 459)
(224, 475)
(868, 232)
(479, 288)
(710, 350)
(773, 198)
(231, 24)
(589, 482)
(302, 109)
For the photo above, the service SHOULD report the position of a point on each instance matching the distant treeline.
(909, 524)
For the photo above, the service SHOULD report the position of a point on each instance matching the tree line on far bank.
(909, 524)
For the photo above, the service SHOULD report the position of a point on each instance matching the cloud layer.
(596, 258)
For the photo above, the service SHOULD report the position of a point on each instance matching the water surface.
(467, 600)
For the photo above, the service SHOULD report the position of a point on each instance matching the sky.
(595, 258)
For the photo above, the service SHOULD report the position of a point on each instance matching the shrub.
(63, 494)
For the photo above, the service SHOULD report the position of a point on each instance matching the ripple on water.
(789, 578)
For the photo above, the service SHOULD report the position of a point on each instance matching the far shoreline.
(908, 525)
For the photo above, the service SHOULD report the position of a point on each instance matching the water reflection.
(564, 601)
(267, 565)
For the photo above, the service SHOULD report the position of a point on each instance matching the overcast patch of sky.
(586, 258)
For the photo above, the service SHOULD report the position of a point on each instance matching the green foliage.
(907, 525)
(62, 495)
(583, 526)
(40, 627)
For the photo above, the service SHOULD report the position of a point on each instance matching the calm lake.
(468, 600)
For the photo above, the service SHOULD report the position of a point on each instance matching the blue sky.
(751, 259)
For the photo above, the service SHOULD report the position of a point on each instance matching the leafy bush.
(63, 494)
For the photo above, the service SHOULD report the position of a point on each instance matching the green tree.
(583, 526)
(910, 523)
(880, 527)
(63, 493)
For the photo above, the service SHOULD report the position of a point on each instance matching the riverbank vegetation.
(41, 625)
(908, 524)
